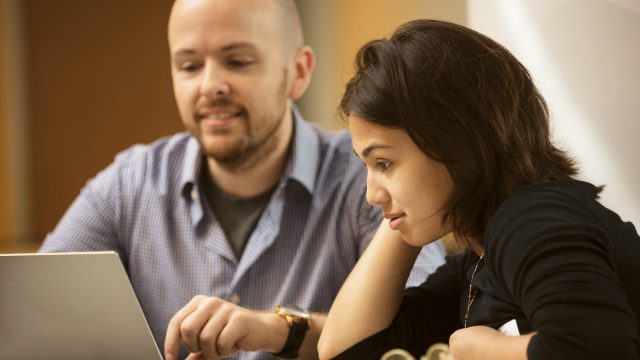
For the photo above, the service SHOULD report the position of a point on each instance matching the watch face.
(294, 311)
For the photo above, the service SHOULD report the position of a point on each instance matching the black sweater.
(556, 260)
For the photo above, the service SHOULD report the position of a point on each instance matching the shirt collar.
(192, 164)
(305, 153)
(302, 165)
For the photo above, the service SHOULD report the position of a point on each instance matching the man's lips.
(395, 220)
(218, 118)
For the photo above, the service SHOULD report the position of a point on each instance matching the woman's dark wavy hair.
(466, 102)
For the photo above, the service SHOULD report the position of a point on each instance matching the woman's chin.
(411, 240)
(418, 240)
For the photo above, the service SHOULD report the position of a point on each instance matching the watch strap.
(297, 330)
(298, 321)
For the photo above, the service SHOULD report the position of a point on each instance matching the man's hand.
(210, 327)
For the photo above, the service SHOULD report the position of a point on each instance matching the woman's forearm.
(371, 295)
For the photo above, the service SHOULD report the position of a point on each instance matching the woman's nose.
(376, 193)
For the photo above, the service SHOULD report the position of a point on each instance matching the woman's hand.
(483, 342)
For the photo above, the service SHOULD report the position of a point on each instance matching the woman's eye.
(383, 165)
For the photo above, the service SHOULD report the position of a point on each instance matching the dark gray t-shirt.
(237, 216)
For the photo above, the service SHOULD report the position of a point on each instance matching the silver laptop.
(70, 306)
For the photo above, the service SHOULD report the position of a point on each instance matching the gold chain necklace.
(472, 291)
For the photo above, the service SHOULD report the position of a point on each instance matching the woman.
(455, 137)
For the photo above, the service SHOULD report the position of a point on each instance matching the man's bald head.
(291, 24)
(283, 15)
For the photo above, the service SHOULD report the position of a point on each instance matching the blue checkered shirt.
(148, 206)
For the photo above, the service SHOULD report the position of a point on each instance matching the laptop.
(70, 306)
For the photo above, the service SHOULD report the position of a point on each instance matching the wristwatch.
(299, 321)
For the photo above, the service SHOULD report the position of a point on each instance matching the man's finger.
(220, 312)
(173, 336)
(195, 356)
(208, 312)
(231, 335)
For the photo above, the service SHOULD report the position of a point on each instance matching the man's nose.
(214, 83)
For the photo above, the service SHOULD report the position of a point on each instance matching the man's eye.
(239, 63)
(189, 67)
(383, 165)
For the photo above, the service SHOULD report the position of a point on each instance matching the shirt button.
(194, 195)
(235, 299)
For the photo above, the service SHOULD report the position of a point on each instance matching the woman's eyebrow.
(372, 147)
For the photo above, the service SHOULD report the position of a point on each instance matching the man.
(253, 207)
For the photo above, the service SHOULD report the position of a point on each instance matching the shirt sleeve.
(92, 222)
(557, 261)
(431, 257)
(428, 314)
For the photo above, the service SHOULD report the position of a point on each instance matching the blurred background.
(81, 80)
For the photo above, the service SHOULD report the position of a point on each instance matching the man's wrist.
(299, 322)
(278, 332)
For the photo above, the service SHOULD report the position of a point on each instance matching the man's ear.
(303, 62)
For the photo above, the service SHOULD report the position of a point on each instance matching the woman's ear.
(303, 62)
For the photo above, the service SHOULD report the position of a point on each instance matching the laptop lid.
(70, 306)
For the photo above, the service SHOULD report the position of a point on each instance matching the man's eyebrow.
(239, 45)
(184, 51)
(226, 48)
(181, 54)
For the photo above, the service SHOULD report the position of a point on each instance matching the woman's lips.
(396, 221)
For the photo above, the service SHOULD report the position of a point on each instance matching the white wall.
(585, 58)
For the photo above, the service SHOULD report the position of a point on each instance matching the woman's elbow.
(326, 347)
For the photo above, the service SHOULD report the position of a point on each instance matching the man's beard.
(247, 150)
(245, 153)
